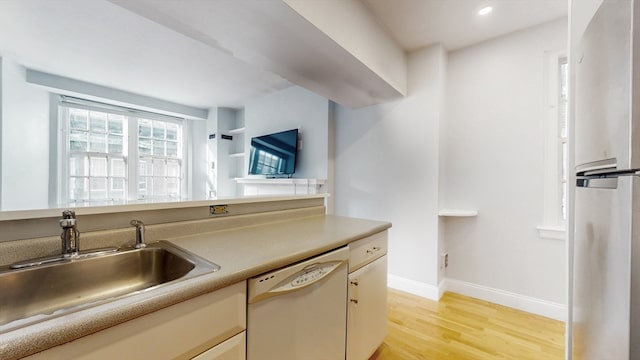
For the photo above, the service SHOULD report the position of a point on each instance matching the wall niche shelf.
(457, 213)
(236, 131)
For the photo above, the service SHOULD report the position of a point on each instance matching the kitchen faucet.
(139, 233)
(70, 235)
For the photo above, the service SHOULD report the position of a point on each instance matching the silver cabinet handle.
(373, 250)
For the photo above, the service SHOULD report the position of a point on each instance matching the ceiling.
(101, 42)
(456, 24)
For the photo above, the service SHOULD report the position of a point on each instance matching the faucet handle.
(70, 235)
(68, 219)
(67, 223)
(69, 214)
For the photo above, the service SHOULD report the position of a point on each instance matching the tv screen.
(274, 155)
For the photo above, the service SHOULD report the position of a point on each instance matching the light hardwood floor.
(460, 327)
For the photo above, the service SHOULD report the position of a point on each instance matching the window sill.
(552, 232)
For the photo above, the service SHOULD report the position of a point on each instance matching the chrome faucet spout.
(70, 235)
(140, 242)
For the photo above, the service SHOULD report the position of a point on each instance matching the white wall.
(387, 168)
(227, 168)
(198, 160)
(494, 146)
(292, 108)
(25, 141)
(582, 12)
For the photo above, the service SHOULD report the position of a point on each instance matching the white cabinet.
(180, 331)
(367, 309)
(232, 349)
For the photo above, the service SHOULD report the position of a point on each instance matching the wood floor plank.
(461, 327)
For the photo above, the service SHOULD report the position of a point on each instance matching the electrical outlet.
(444, 261)
(218, 209)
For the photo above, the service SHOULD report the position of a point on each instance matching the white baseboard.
(521, 302)
(415, 287)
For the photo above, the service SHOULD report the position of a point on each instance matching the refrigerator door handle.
(598, 183)
(603, 181)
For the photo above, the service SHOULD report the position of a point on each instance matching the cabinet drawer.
(365, 250)
(180, 331)
(232, 349)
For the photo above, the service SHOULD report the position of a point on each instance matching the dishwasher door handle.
(306, 277)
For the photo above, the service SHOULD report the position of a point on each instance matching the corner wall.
(494, 147)
(387, 168)
(25, 141)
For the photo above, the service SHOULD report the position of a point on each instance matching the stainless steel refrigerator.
(606, 245)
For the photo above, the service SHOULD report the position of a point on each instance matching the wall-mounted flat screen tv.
(274, 155)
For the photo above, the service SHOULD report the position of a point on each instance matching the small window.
(563, 117)
(159, 160)
(97, 157)
(556, 148)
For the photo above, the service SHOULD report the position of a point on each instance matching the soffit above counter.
(296, 40)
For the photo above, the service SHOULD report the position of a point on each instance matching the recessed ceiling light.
(485, 10)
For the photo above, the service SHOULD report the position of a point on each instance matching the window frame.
(554, 224)
(131, 142)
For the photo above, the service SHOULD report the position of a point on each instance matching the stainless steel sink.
(59, 288)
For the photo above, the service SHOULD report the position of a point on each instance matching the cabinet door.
(180, 331)
(232, 349)
(367, 312)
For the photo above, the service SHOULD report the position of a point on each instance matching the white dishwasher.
(299, 312)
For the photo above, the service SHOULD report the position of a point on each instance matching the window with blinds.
(110, 153)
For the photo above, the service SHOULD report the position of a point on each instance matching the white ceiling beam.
(271, 35)
(352, 26)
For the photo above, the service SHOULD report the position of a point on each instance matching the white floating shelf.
(240, 154)
(237, 131)
(457, 213)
